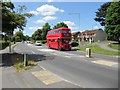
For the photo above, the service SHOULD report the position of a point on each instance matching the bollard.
(25, 60)
(88, 52)
(109, 44)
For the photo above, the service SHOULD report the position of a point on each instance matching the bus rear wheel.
(59, 48)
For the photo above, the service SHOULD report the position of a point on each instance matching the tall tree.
(45, 29)
(61, 24)
(101, 13)
(12, 19)
(37, 35)
(27, 37)
(112, 27)
(18, 36)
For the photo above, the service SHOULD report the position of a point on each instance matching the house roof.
(90, 31)
(75, 33)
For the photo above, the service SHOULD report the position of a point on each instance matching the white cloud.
(50, 0)
(24, 32)
(70, 24)
(95, 27)
(49, 18)
(45, 19)
(40, 21)
(33, 12)
(16, 30)
(34, 28)
(46, 10)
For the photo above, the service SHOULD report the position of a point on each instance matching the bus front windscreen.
(66, 41)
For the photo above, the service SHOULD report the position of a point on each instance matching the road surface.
(74, 67)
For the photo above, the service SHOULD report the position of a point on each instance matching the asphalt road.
(74, 67)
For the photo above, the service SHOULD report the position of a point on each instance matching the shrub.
(43, 41)
(4, 44)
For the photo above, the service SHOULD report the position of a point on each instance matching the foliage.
(101, 13)
(4, 44)
(27, 37)
(37, 35)
(43, 41)
(12, 19)
(18, 36)
(45, 29)
(96, 49)
(112, 27)
(19, 65)
(61, 24)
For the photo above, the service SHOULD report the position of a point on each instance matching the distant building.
(91, 35)
(75, 35)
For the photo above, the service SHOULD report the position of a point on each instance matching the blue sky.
(79, 16)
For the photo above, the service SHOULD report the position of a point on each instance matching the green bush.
(43, 41)
(4, 44)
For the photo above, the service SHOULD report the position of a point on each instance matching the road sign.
(10, 32)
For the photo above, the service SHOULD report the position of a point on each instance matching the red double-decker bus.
(59, 38)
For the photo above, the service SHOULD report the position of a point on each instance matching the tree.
(112, 21)
(45, 29)
(27, 37)
(101, 13)
(37, 35)
(18, 36)
(61, 24)
(12, 19)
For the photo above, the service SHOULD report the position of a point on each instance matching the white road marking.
(42, 67)
(33, 52)
(29, 44)
(55, 52)
(106, 63)
(68, 56)
(64, 79)
(46, 50)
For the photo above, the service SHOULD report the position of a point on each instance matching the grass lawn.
(19, 65)
(96, 49)
(115, 46)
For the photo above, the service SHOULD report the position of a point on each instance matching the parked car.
(38, 44)
(28, 41)
(74, 44)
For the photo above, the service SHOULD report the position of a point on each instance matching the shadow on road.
(9, 59)
(39, 57)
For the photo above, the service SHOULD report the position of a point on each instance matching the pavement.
(62, 69)
(104, 45)
(27, 79)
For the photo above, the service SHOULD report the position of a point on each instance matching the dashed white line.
(33, 52)
(54, 53)
(68, 56)
(42, 67)
(65, 79)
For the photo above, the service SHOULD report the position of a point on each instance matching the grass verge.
(114, 46)
(96, 49)
(19, 65)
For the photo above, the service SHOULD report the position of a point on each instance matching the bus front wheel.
(49, 47)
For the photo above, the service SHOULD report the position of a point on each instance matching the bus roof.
(62, 28)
